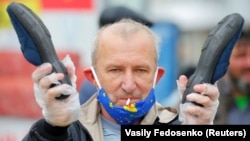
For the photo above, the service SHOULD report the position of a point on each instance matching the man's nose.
(128, 83)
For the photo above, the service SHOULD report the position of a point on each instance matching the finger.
(41, 71)
(181, 84)
(207, 89)
(196, 115)
(47, 81)
(72, 75)
(193, 110)
(200, 99)
(56, 91)
(70, 71)
(69, 65)
(183, 80)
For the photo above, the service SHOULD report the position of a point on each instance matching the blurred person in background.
(234, 87)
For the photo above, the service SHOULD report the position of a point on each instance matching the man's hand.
(206, 95)
(56, 112)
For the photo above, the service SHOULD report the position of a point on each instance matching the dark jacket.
(42, 131)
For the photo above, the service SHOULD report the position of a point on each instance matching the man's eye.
(114, 70)
(141, 70)
(242, 54)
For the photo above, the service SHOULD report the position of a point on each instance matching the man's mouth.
(127, 101)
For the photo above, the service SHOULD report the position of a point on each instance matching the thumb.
(181, 84)
(68, 63)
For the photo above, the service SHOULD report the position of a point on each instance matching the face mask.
(129, 113)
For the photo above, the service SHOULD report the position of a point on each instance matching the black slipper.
(35, 39)
(216, 52)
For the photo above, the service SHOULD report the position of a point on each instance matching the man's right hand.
(57, 112)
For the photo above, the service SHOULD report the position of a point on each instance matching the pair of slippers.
(37, 46)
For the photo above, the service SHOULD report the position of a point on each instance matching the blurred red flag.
(68, 4)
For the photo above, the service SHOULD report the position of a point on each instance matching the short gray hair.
(125, 27)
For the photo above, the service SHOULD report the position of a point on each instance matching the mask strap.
(95, 76)
(155, 77)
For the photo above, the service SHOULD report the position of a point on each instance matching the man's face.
(239, 68)
(126, 67)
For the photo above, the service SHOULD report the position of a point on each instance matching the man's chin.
(243, 86)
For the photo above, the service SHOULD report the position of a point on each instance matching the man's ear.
(89, 75)
(160, 73)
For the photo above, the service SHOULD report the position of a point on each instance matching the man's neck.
(106, 115)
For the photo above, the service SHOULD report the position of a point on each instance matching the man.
(235, 86)
(125, 71)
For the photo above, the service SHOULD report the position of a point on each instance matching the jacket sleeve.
(42, 131)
